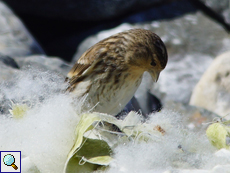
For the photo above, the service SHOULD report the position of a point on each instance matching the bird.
(108, 74)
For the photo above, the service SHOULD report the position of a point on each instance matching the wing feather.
(86, 63)
(77, 69)
(83, 67)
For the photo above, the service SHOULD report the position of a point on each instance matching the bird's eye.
(153, 63)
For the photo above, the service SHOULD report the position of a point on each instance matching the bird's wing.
(77, 70)
(83, 67)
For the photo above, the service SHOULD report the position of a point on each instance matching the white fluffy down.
(178, 150)
(45, 134)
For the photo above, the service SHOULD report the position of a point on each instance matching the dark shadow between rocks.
(60, 37)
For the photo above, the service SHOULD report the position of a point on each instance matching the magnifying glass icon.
(9, 160)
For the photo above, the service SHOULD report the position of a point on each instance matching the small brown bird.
(109, 72)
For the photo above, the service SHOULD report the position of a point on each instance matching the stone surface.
(179, 78)
(7, 72)
(213, 90)
(8, 61)
(191, 43)
(44, 63)
(12, 66)
(220, 7)
(15, 40)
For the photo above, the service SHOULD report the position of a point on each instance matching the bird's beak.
(155, 75)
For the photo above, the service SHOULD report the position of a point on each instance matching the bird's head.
(148, 53)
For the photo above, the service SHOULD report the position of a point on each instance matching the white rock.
(44, 62)
(213, 90)
(178, 79)
(15, 40)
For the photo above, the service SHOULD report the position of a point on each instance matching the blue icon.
(9, 160)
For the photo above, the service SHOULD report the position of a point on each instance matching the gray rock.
(213, 90)
(8, 61)
(44, 63)
(12, 66)
(220, 7)
(179, 78)
(192, 33)
(217, 5)
(15, 40)
(153, 105)
(6, 72)
(192, 43)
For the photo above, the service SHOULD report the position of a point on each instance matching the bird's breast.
(112, 96)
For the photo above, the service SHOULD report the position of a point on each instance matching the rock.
(216, 5)
(190, 52)
(191, 34)
(7, 72)
(44, 63)
(80, 10)
(8, 61)
(8, 67)
(177, 81)
(15, 40)
(220, 7)
(213, 90)
(11, 66)
(152, 104)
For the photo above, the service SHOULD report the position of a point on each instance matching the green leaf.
(88, 154)
(217, 134)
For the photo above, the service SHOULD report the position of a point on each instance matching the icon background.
(9, 169)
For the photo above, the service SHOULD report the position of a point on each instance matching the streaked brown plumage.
(110, 72)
